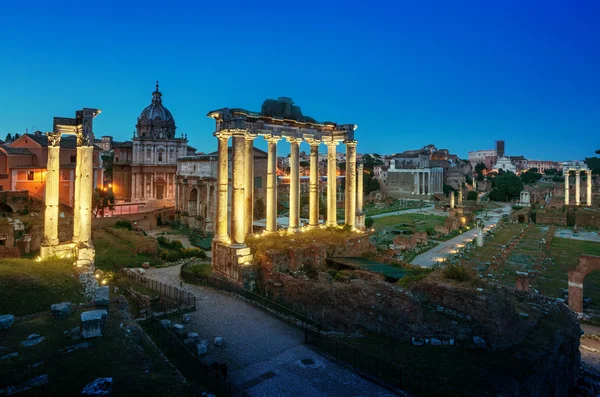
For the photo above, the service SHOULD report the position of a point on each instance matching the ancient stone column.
(359, 189)
(480, 234)
(76, 203)
(313, 220)
(577, 187)
(271, 225)
(350, 205)
(52, 191)
(566, 174)
(238, 207)
(474, 184)
(177, 205)
(294, 216)
(460, 197)
(429, 184)
(331, 183)
(418, 182)
(249, 183)
(589, 188)
(222, 181)
(451, 199)
(185, 192)
(86, 191)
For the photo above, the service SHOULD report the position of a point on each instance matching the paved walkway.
(446, 248)
(585, 236)
(264, 354)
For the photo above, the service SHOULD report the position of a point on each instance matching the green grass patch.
(417, 222)
(136, 367)
(200, 270)
(120, 248)
(28, 286)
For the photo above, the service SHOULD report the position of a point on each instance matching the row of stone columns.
(577, 187)
(84, 184)
(242, 182)
(428, 182)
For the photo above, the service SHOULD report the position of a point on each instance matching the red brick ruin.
(587, 264)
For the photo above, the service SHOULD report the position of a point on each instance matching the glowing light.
(38, 259)
(97, 275)
(104, 281)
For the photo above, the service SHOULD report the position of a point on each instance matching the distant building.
(505, 165)
(409, 173)
(543, 165)
(144, 168)
(23, 166)
(487, 157)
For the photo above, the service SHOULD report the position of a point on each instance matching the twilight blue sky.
(459, 74)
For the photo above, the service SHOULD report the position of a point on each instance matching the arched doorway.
(191, 204)
(587, 264)
(159, 189)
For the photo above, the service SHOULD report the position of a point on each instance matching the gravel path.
(264, 354)
(445, 248)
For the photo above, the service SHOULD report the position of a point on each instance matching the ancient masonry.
(577, 168)
(231, 256)
(81, 245)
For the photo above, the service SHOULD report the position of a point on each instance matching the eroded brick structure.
(587, 264)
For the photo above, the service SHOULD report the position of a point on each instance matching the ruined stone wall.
(552, 217)
(587, 218)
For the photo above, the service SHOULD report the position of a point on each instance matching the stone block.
(93, 322)
(103, 296)
(6, 321)
(186, 318)
(179, 329)
(219, 341)
(32, 340)
(194, 336)
(61, 310)
(146, 265)
(9, 356)
(479, 342)
(166, 323)
(99, 387)
(201, 348)
(435, 342)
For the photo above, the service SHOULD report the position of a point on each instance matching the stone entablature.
(277, 120)
(577, 167)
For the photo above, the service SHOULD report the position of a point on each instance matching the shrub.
(369, 222)
(472, 195)
(124, 224)
(458, 273)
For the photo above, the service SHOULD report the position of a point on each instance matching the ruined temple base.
(64, 250)
(235, 263)
(85, 256)
(360, 222)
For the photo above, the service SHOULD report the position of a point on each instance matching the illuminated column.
(177, 196)
(52, 190)
(577, 187)
(451, 199)
(460, 197)
(271, 225)
(222, 181)
(359, 189)
(249, 183)
(313, 220)
(85, 194)
(429, 184)
(566, 174)
(185, 193)
(589, 188)
(331, 183)
(294, 215)
(418, 187)
(238, 207)
(350, 205)
(474, 184)
(76, 225)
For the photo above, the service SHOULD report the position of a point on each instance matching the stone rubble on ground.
(479, 342)
(69, 349)
(102, 296)
(6, 321)
(166, 323)
(61, 310)
(186, 318)
(201, 348)
(89, 283)
(9, 356)
(193, 336)
(30, 384)
(32, 340)
(93, 322)
(178, 329)
(218, 341)
(99, 387)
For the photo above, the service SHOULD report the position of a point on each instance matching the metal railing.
(190, 364)
(182, 300)
(380, 370)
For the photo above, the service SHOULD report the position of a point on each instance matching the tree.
(8, 137)
(472, 195)
(101, 200)
(530, 177)
(593, 163)
(534, 169)
(370, 184)
(447, 189)
(479, 168)
(259, 209)
(16, 136)
(551, 171)
(107, 164)
(369, 222)
(506, 186)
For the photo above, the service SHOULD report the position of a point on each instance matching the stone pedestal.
(93, 322)
(234, 263)
(480, 237)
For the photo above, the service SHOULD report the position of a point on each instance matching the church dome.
(156, 121)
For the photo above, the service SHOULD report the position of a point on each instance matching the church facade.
(144, 168)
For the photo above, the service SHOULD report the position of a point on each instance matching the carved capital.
(351, 143)
(313, 142)
(293, 140)
(54, 138)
